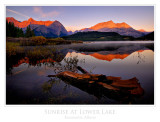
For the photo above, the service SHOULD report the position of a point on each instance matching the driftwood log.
(99, 84)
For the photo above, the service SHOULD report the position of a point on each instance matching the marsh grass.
(40, 52)
(40, 40)
(13, 48)
(15, 52)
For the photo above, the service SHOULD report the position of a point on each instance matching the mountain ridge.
(121, 28)
(56, 29)
(41, 28)
(25, 23)
(109, 24)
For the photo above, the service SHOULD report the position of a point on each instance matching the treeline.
(98, 36)
(12, 31)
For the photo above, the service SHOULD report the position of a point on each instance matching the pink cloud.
(38, 10)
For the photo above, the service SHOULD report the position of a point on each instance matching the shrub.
(58, 39)
(39, 40)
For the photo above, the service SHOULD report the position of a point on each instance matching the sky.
(78, 17)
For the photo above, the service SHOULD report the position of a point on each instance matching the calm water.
(27, 83)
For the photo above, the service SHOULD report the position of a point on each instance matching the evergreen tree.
(32, 32)
(29, 32)
(20, 32)
(7, 29)
(12, 31)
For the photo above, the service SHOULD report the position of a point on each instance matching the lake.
(27, 81)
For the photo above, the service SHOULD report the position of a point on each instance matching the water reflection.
(32, 86)
(123, 91)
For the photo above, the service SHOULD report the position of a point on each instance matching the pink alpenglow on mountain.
(25, 23)
(120, 28)
(41, 28)
(110, 24)
(141, 30)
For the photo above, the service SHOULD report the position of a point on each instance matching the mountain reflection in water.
(28, 83)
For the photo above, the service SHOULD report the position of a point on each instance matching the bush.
(58, 39)
(39, 40)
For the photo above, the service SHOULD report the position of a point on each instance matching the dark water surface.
(27, 83)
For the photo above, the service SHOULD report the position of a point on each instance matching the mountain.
(70, 32)
(97, 36)
(109, 26)
(56, 29)
(123, 31)
(41, 28)
(28, 22)
(141, 30)
(86, 30)
(12, 20)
